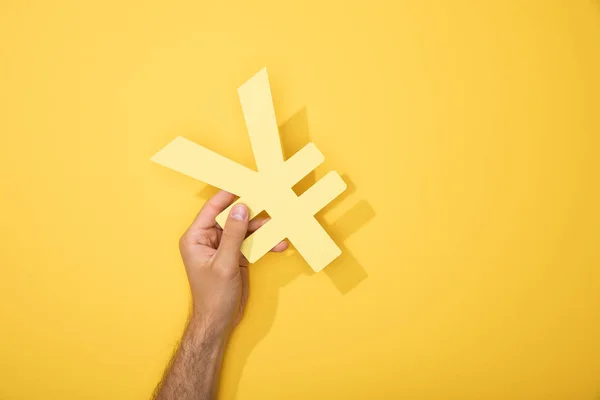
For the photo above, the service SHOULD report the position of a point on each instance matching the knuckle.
(229, 236)
(226, 271)
(226, 234)
(225, 265)
(184, 241)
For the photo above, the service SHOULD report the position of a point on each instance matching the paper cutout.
(270, 188)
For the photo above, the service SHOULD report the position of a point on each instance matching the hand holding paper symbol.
(270, 188)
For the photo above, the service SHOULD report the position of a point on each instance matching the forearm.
(194, 370)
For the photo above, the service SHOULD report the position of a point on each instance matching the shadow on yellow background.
(345, 272)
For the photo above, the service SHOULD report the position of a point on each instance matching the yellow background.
(467, 130)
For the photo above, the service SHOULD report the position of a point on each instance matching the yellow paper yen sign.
(270, 188)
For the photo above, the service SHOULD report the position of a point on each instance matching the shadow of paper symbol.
(270, 188)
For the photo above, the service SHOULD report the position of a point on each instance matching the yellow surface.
(269, 188)
(469, 132)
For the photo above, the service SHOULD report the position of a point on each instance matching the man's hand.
(218, 277)
(216, 270)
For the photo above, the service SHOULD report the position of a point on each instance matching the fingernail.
(239, 212)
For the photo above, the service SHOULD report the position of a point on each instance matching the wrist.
(213, 319)
(207, 330)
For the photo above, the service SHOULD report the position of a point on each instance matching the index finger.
(206, 218)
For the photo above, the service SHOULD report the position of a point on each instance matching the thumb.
(234, 234)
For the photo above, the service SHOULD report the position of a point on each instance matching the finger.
(233, 234)
(280, 247)
(243, 261)
(213, 207)
(257, 223)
